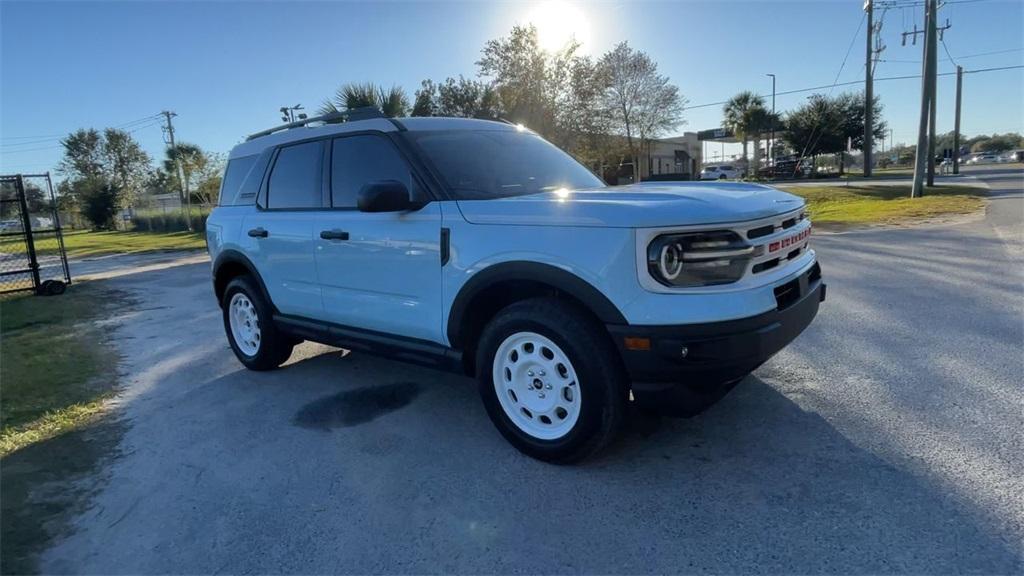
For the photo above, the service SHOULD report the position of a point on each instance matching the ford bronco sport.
(479, 247)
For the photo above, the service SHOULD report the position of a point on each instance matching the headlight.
(698, 259)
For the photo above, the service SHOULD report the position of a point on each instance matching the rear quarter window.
(235, 174)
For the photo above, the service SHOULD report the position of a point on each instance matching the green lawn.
(83, 244)
(57, 368)
(854, 204)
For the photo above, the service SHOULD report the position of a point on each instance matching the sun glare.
(559, 22)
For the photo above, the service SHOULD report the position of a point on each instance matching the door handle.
(258, 233)
(334, 234)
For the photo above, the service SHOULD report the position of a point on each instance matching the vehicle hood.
(636, 206)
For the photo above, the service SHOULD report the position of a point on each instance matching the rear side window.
(358, 160)
(234, 175)
(726, 167)
(711, 168)
(295, 181)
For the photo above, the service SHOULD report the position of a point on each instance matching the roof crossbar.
(364, 113)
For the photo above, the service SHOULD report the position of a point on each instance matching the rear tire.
(256, 342)
(551, 380)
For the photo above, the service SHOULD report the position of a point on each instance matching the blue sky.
(226, 67)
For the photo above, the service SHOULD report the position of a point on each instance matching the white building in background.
(669, 157)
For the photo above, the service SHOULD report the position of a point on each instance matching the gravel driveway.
(887, 438)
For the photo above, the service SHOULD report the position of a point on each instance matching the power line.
(964, 57)
(946, 49)
(39, 139)
(31, 149)
(853, 82)
(31, 137)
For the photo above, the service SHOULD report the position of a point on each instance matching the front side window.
(295, 181)
(359, 160)
(483, 164)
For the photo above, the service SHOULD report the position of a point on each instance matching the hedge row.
(169, 221)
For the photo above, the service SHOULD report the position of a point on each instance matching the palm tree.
(745, 115)
(393, 102)
(190, 158)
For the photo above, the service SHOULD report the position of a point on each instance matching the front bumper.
(718, 352)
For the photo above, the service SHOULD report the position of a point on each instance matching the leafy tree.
(997, 143)
(98, 198)
(112, 156)
(851, 108)
(815, 127)
(425, 100)
(523, 75)
(83, 154)
(208, 179)
(467, 99)
(126, 164)
(393, 102)
(641, 103)
(826, 125)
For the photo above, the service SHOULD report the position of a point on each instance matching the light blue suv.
(479, 247)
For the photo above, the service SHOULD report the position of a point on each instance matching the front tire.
(256, 342)
(551, 380)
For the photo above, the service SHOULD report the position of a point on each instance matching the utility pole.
(932, 44)
(927, 90)
(771, 151)
(180, 172)
(869, 7)
(956, 123)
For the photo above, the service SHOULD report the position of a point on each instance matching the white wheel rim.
(536, 385)
(245, 326)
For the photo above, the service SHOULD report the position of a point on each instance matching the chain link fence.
(32, 255)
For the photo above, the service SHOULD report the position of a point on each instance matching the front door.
(281, 234)
(378, 271)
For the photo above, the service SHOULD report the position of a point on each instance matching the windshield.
(483, 164)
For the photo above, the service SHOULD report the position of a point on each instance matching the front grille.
(761, 231)
(774, 246)
(769, 229)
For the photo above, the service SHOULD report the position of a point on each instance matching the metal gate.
(32, 255)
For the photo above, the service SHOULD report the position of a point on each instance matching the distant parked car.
(984, 159)
(787, 168)
(721, 172)
(10, 226)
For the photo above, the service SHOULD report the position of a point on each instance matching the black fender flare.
(553, 276)
(230, 256)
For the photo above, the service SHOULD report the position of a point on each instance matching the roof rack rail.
(364, 113)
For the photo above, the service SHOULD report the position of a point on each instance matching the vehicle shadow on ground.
(754, 484)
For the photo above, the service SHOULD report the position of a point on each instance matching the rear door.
(281, 232)
(378, 271)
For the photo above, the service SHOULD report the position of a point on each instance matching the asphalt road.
(887, 438)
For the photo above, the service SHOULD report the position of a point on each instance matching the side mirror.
(385, 196)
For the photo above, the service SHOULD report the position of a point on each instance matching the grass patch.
(842, 204)
(56, 368)
(85, 244)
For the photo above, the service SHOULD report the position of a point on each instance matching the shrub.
(169, 221)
